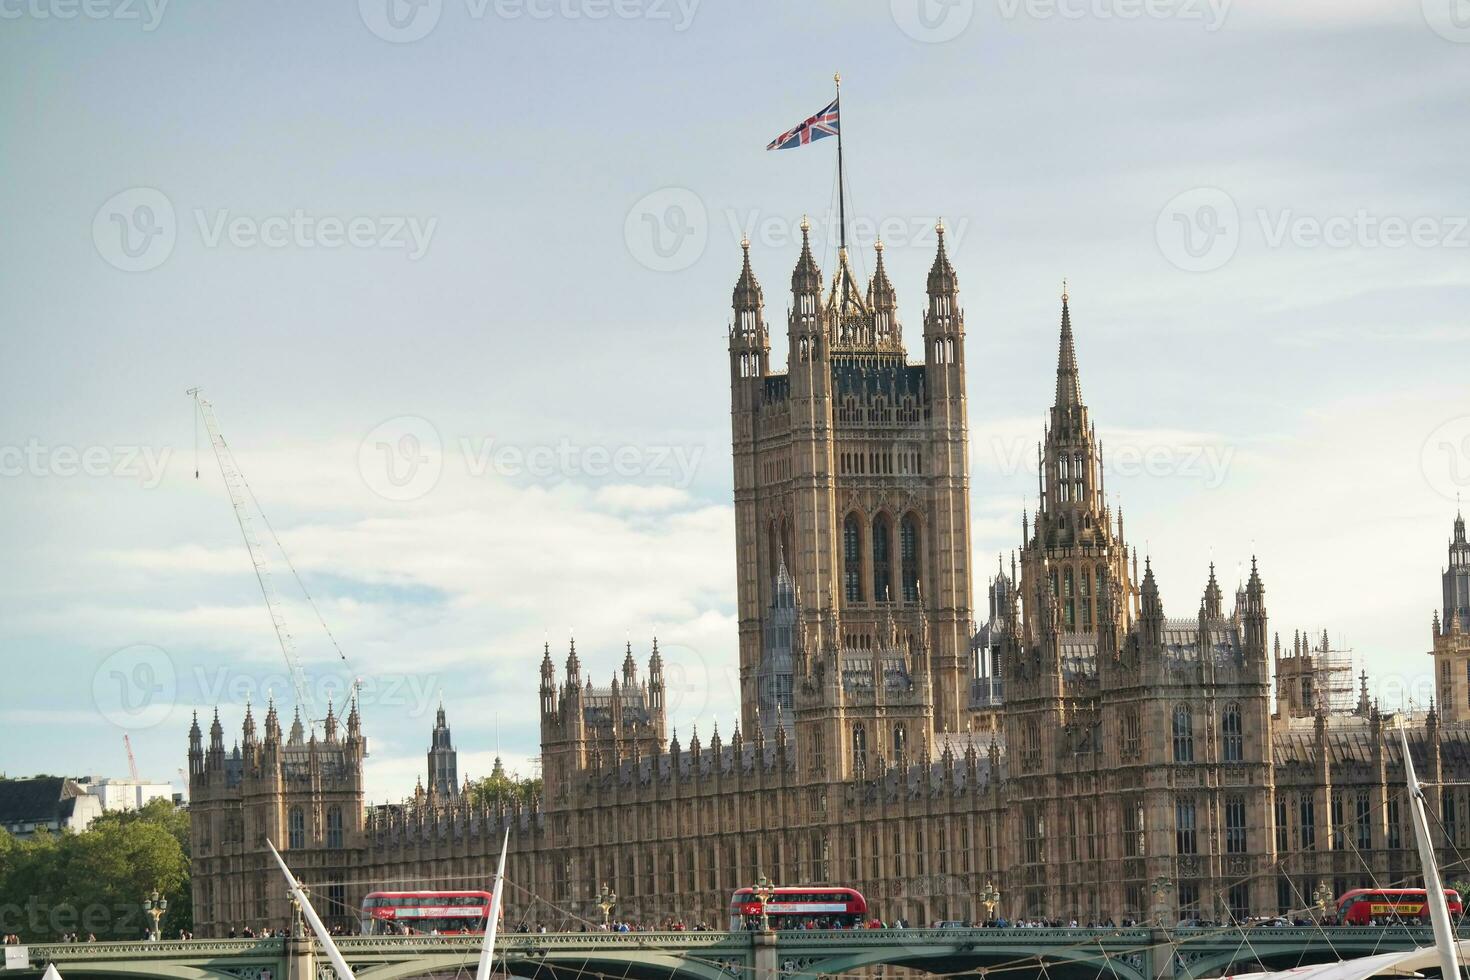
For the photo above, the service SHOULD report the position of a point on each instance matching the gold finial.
(805, 225)
(939, 227)
(744, 243)
(1064, 290)
(837, 77)
(878, 246)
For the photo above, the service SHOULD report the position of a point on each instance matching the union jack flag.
(821, 125)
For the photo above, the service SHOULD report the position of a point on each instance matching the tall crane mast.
(242, 498)
(132, 763)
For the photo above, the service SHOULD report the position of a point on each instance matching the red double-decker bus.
(1362, 905)
(424, 913)
(800, 907)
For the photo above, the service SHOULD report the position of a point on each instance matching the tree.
(500, 788)
(95, 881)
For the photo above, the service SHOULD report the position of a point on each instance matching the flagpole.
(841, 195)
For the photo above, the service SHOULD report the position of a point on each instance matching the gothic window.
(1235, 825)
(296, 828)
(900, 740)
(1307, 827)
(1183, 733)
(334, 826)
(1283, 838)
(852, 559)
(1395, 840)
(1239, 901)
(908, 547)
(859, 748)
(1185, 839)
(1033, 836)
(881, 566)
(1078, 472)
(1069, 607)
(1132, 733)
(1031, 745)
(1232, 742)
(1364, 822)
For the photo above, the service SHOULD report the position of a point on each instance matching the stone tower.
(852, 468)
(1451, 634)
(443, 760)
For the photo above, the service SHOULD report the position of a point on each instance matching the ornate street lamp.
(605, 901)
(762, 893)
(1161, 887)
(990, 898)
(1321, 898)
(154, 906)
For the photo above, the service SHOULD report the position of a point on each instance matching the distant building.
(1082, 752)
(125, 794)
(49, 803)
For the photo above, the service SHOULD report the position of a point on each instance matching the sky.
(455, 276)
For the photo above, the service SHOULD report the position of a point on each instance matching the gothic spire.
(747, 294)
(1069, 388)
(942, 278)
(806, 277)
(881, 296)
(1211, 601)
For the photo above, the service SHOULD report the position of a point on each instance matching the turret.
(1151, 614)
(1210, 605)
(196, 748)
(750, 342)
(548, 684)
(1253, 617)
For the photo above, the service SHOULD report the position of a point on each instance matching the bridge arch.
(1061, 964)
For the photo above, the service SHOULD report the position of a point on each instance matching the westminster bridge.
(1051, 954)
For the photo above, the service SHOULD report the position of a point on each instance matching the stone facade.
(1081, 751)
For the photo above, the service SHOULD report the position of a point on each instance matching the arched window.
(900, 740)
(1232, 740)
(859, 748)
(852, 559)
(882, 579)
(334, 826)
(296, 828)
(908, 548)
(1183, 733)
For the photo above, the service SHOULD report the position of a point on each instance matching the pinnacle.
(1069, 387)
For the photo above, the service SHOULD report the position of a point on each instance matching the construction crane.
(242, 498)
(132, 763)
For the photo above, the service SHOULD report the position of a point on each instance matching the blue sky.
(456, 277)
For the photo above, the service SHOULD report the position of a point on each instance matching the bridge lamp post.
(605, 901)
(762, 893)
(990, 898)
(154, 906)
(1321, 897)
(1161, 886)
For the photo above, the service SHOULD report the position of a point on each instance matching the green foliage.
(95, 881)
(502, 788)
